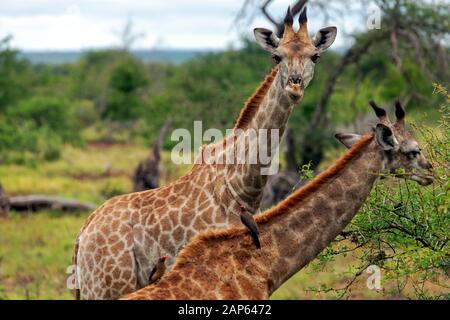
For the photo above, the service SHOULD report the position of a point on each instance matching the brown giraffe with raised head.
(223, 264)
(119, 246)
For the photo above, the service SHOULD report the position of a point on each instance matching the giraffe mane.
(194, 247)
(253, 103)
(303, 193)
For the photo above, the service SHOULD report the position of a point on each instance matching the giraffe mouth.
(294, 97)
(422, 177)
(294, 91)
(423, 180)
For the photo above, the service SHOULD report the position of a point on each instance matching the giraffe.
(119, 246)
(222, 264)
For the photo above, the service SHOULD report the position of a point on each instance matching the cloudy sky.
(81, 24)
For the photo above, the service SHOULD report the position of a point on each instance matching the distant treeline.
(175, 56)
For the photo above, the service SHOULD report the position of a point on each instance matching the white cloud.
(78, 24)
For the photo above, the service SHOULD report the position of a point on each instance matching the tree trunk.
(147, 173)
(4, 203)
(278, 187)
(290, 151)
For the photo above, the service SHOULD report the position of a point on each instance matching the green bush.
(54, 114)
(37, 127)
(128, 76)
(15, 75)
(125, 101)
(25, 143)
(110, 190)
(86, 113)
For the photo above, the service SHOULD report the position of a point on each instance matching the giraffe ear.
(385, 137)
(347, 139)
(266, 39)
(325, 38)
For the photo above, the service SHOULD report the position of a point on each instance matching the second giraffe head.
(401, 152)
(296, 52)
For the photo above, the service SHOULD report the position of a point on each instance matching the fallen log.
(42, 202)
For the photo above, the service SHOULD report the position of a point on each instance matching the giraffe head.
(400, 149)
(296, 52)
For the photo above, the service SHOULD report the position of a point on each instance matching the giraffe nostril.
(295, 79)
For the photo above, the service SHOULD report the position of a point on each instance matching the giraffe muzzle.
(295, 87)
(423, 180)
(295, 92)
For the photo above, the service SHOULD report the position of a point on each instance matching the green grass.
(35, 251)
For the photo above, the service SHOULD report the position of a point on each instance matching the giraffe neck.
(275, 108)
(247, 180)
(298, 229)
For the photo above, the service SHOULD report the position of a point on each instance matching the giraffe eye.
(276, 58)
(414, 153)
(315, 57)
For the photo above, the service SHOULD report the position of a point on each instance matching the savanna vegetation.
(79, 130)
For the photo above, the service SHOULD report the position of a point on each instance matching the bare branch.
(353, 55)
(267, 15)
(341, 292)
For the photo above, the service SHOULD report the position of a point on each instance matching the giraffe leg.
(141, 274)
(77, 294)
(144, 263)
